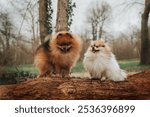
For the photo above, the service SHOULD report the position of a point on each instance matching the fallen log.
(134, 87)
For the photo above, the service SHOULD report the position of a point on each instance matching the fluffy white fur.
(101, 63)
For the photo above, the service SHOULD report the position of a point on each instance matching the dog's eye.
(96, 46)
(103, 45)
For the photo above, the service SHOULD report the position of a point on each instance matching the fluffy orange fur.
(59, 56)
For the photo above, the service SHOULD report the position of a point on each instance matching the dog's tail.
(48, 38)
(123, 74)
(120, 76)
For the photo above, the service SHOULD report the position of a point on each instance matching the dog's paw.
(103, 78)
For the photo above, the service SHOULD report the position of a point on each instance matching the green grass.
(132, 64)
(79, 67)
(28, 68)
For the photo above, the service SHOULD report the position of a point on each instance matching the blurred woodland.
(25, 24)
(36, 19)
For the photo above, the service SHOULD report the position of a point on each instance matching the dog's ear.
(102, 40)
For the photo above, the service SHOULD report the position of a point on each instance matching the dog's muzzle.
(94, 50)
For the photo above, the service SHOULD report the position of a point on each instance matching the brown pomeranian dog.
(58, 54)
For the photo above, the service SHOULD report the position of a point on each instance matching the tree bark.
(145, 41)
(62, 18)
(7, 30)
(94, 34)
(42, 20)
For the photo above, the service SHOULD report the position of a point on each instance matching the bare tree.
(6, 28)
(62, 19)
(28, 14)
(6, 37)
(21, 46)
(145, 39)
(42, 20)
(97, 17)
(32, 15)
(92, 19)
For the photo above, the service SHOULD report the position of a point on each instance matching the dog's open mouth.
(94, 51)
(64, 49)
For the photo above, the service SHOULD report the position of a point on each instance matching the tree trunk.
(62, 18)
(93, 32)
(100, 32)
(7, 31)
(101, 28)
(145, 42)
(42, 20)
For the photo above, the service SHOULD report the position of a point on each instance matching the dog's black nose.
(65, 49)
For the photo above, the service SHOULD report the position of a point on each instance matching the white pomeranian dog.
(101, 63)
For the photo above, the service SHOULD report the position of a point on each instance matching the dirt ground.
(136, 86)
